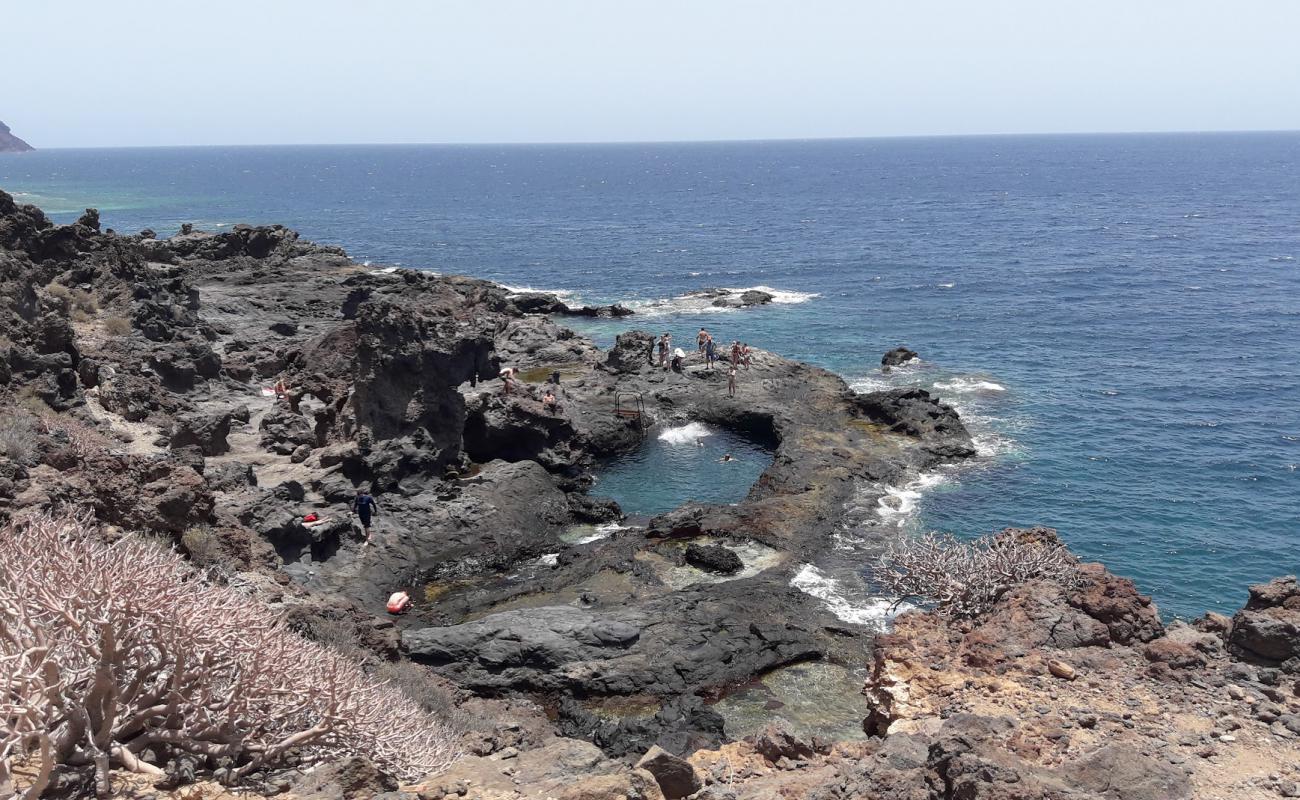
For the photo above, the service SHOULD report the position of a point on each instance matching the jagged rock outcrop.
(898, 357)
(1267, 629)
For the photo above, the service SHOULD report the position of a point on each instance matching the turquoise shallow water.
(681, 463)
(1135, 300)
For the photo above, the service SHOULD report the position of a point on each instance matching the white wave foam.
(969, 386)
(549, 560)
(869, 611)
(685, 434)
(702, 302)
(946, 285)
(901, 501)
(564, 295)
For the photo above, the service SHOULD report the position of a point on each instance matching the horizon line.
(754, 140)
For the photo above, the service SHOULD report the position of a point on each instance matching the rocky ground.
(578, 665)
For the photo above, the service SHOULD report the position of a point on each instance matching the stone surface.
(675, 776)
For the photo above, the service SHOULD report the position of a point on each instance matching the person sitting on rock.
(550, 403)
(364, 506)
(281, 390)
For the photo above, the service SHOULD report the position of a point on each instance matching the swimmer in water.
(726, 458)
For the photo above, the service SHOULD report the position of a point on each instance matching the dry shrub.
(124, 655)
(966, 579)
(84, 302)
(203, 546)
(59, 291)
(117, 326)
(17, 435)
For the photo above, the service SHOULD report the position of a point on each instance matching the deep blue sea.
(1118, 317)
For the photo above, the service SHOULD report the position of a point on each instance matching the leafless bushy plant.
(84, 302)
(965, 579)
(112, 654)
(17, 435)
(117, 326)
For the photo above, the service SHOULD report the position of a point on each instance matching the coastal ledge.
(149, 365)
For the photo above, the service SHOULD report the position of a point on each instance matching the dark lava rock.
(284, 328)
(713, 558)
(675, 776)
(206, 430)
(586, 508)
(632, 352)
(537, 303)
(1267, 629)
(917, 413)
(1121, 771)
(744, 299)
(283, 431)
(897, 357)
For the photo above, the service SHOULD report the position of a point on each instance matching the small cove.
(679, 464)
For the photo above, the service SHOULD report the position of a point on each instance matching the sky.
(203, 72)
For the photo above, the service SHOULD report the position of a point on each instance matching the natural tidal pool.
(682, 463)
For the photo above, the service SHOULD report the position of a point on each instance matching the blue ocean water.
(1117, 316)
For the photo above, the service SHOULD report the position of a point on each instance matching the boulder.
(1267, 629)
(352, 778)
(713, 558)
(776, 742)
(675, 776)
(632, 352)
(897, 357)
(205, 429)
(1122, 772)
(284, 431)
(917, 413)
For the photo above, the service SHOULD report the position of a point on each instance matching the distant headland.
(10, 143)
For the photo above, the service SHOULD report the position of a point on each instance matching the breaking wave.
(875, 611)
(701, 302)
(685, 434)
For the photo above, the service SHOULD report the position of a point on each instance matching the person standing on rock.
(735, 352)
(710, 352)
(731, 381)
(507, 379)
(663, 350)
(701, 338)
(364, 506)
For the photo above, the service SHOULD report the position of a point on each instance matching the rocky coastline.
(582, 666)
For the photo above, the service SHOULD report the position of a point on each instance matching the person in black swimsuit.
(365, 506)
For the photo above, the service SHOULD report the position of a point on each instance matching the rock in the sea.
(897, 357)
(713, 558)
(750, 297)
(675, 776)
(1267, 629)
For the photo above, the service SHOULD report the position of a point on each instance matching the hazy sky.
(147, 72)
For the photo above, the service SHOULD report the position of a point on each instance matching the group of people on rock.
(510, 384)
(739, 355)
